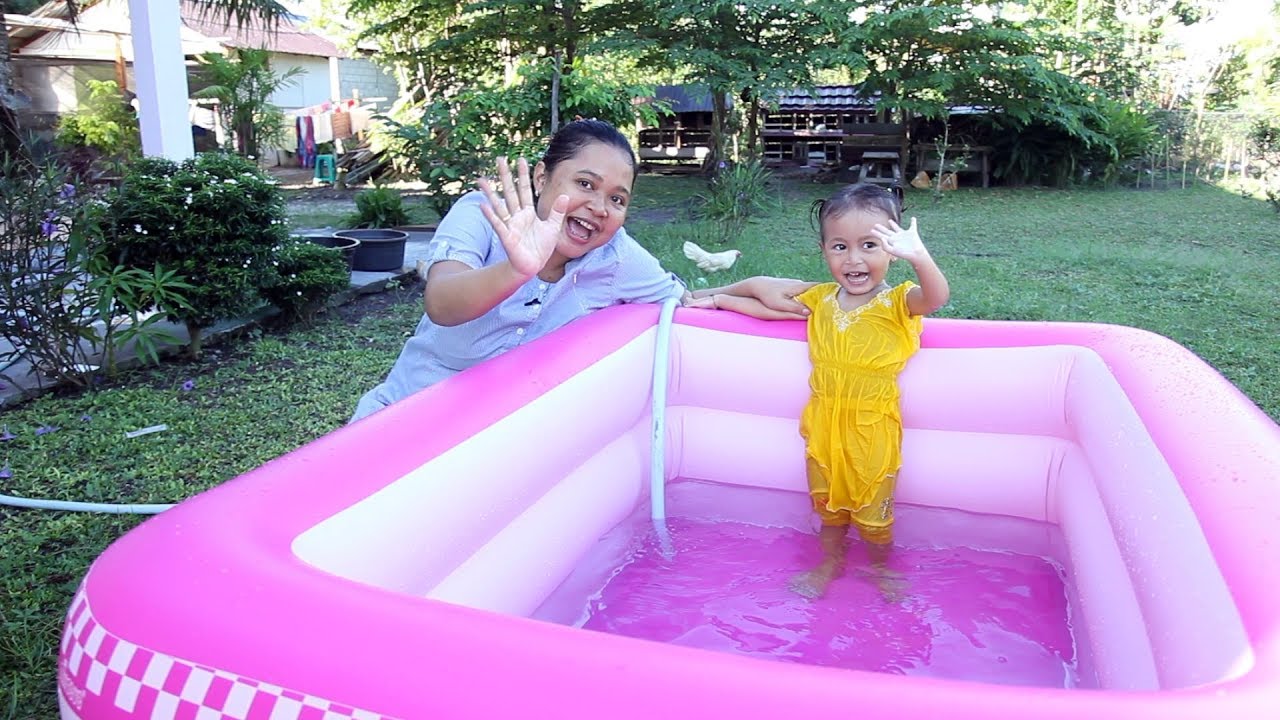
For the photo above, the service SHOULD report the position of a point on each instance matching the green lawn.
(1198, 266)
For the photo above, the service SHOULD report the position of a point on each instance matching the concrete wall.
(310, 87)
(54, 87)
(363, 74)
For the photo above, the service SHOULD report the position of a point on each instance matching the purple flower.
(68, 191)
(188, 386)
(46, 429)
(47, 228)
(7, 436)
(86, 417)
(5, 472)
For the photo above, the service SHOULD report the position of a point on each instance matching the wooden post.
(122, 74)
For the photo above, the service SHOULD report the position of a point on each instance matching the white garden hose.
(658, 446)
(73, 506)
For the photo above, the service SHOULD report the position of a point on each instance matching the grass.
(1196, 265)
(250, 401)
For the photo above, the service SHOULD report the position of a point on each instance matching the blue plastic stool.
(326, 168)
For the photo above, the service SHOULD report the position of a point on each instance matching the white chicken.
(709, 261)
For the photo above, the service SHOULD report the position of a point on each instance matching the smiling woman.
(533, 252)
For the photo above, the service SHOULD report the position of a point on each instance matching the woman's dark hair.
(859, 197)
(572, 137)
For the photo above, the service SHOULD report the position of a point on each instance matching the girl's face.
(855, 256)
(597, 180)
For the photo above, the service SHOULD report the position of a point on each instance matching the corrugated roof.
(685, 98)
(286, 37)
(825, 97)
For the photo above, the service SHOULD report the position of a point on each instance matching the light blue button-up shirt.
(620, 271)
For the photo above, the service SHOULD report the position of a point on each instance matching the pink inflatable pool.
(390, 569)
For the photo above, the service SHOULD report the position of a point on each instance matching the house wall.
(364, 75)
(55, 87)
(310, 87)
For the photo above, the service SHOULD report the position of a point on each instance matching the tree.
(443, 46)
(243, 84)
(741, 50)
(926, 60)
(239, 12)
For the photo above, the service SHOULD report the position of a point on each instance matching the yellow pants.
(874, 521)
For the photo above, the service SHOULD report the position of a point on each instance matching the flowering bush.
(304, 276)
(214, 219)
(64, 306)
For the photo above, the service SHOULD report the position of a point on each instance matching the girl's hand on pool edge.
(528, 239)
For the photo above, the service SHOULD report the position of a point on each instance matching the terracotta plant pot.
(379, 250)
(346, 246)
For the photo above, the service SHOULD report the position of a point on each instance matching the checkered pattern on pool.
(101, 669)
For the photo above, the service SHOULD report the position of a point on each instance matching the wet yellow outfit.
(852, 425)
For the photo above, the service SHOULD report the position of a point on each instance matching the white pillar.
(160, 72)
(335, 81)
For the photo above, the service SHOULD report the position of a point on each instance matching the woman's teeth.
(579, 230)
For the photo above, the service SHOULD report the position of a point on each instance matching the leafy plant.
(105, 122)
(456, 140)
(214, 219)
(736, 193)
(1266, 137)
(64, 306)
(243, 85)
(304, 276)
(378, 207)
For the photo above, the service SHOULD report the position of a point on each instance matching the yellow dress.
(852, 425)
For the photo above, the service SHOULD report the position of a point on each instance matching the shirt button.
(519, 331)
(542, 286)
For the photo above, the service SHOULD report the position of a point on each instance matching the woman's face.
(597, 179)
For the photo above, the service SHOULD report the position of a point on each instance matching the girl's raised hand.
(528, 239)
(898, 242)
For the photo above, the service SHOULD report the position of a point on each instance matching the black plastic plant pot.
(346, 246)
(379, 250)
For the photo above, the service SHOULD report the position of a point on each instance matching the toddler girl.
(861, 333)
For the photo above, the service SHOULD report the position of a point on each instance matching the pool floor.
(969, 597)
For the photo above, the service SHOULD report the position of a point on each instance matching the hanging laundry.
(323, 127)
(360, 118)
(341, 125)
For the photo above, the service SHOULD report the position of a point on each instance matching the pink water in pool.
(982, 599)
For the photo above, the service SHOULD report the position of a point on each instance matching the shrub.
(736, 193)
(304, 276)
(379, 207)
(214, 219)
(1265, 135)
(105, 123)
(64, 305)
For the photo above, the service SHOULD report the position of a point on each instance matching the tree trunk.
(555, 92)
(10, 138)
(754, 145)
(719, 126)
(195, 349)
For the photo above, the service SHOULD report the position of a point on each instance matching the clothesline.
(326, 122)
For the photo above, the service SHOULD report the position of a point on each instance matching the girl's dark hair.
(860, 197)
(572, 137)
